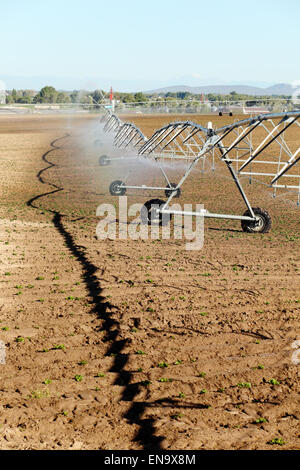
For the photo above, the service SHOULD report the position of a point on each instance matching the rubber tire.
(104, 160)
(115, 189)
(264, 225)
(146, 211)
(220, 113)
(168, 192)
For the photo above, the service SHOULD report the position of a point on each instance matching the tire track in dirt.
(146, 435)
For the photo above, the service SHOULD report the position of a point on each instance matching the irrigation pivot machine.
(265, 148)
(127, 135)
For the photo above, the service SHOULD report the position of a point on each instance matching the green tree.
(24, 96)
(9, 99)
(14, 95)
(140, 97)
(183, 94)
(127, 98)
(63, 98)
(48, 94)
(74, 96)
(85, 98)
(97, 96)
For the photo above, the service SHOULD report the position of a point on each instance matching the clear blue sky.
(159, 41)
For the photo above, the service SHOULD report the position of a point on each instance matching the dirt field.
(115, 344)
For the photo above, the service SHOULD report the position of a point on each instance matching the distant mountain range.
(274, 90)
(193, 85)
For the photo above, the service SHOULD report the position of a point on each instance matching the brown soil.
(216, 324)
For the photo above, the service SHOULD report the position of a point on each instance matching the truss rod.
(264, 145)
(287, 167)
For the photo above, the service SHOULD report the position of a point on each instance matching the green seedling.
(244, 385)
(260, 420)
(20, 339)
(59, 346)
(78, 378)
(39, 394)
(146, 383)
(274, 382)
(177, 416)
(276, 441)
(162, 365)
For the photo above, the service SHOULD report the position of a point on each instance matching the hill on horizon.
(275, 90)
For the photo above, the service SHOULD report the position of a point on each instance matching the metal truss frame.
(243, 144)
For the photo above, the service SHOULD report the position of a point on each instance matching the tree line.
(50, 95)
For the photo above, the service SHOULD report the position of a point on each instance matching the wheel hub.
(259, 223)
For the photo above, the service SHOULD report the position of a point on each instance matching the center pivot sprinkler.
(242, 146)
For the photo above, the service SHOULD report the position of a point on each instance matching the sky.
(148, 44)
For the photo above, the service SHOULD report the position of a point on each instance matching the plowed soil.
(139, 344)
